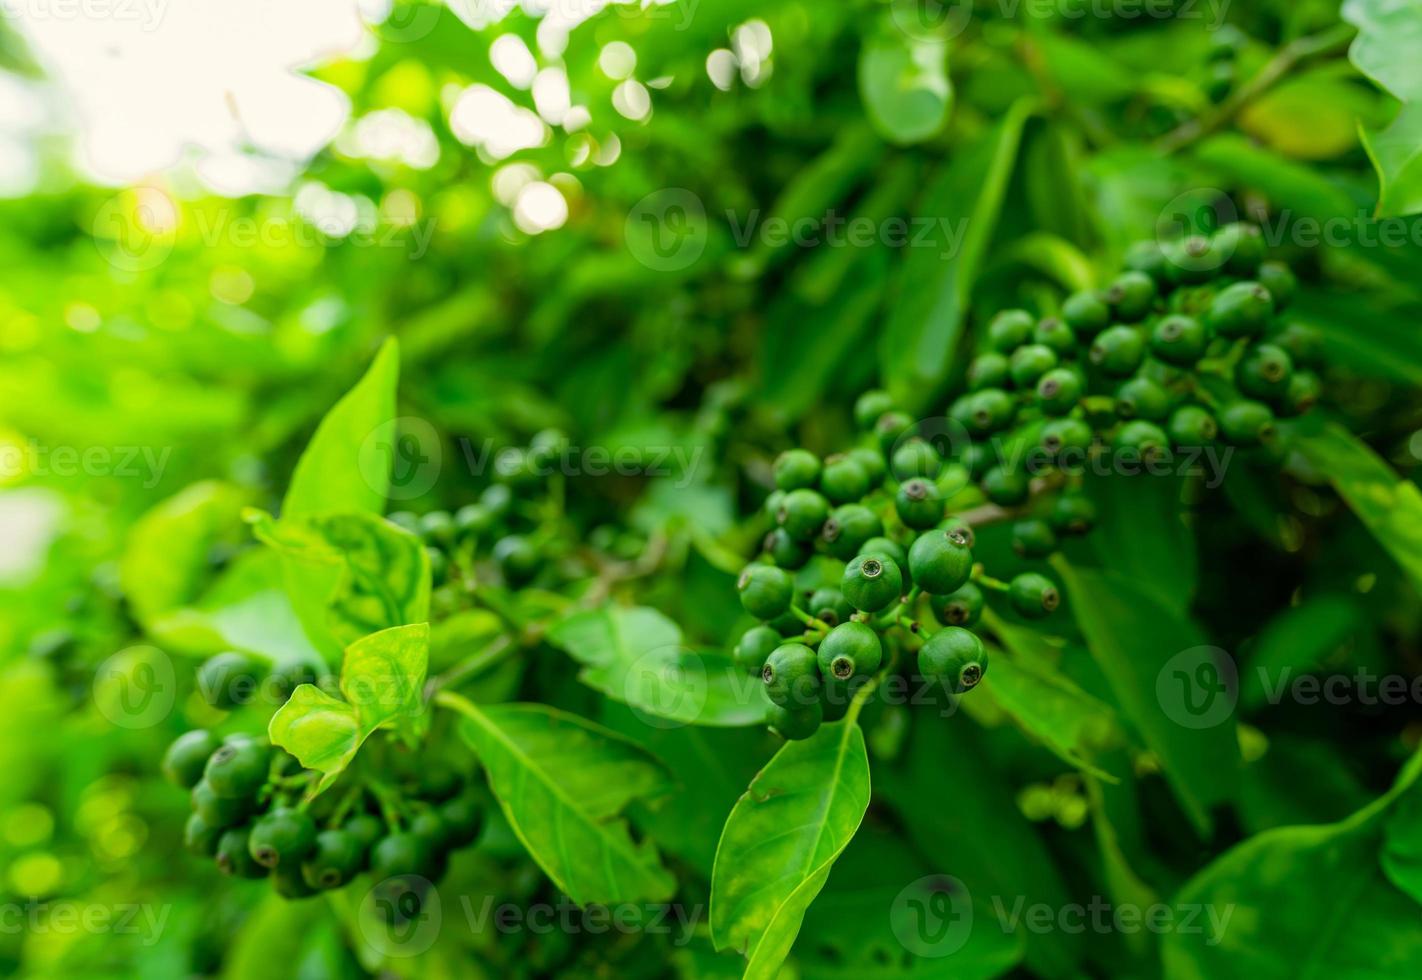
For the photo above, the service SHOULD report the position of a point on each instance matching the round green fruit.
(186, 758)
(919, 504)
(797, 722)
(850, 649)
(282, 837)
(843, 479)
(791, 675)
(940, 561)
(957, 656)
(766, 591)
(796, 469)
(961, 607)
(756, 644)
(848, 528)
(1033, 595)
(872, 582)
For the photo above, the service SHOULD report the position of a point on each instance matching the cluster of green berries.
(879, 514)
(503, 525)
(1182, 349)
(247, 816)
(231, 679)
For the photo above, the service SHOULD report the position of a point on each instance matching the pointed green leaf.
(563, 783)
(781, 840)
(346, 466)
(322, 731)
(383, 675)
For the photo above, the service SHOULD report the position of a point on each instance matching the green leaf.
(636, 656)
(321, 730)
(1396, 153)
(1288, 184)
(1402, 844)
(349, 575)
(1141, 534)
(1388, 505)
(1301, 639)
(382, 678)
(918, 343)
(346, 466)
(781, 840)
(562, 783)
(1389, 37)
(903, 80)
(167, 556)
(1134, 636)
(1256, 925)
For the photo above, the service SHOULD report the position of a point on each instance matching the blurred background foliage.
(485, 202)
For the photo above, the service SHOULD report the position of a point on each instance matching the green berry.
(872, 582)
(1147, 257)
(755, 646)
(785, 551)
(1241, 310)
(1064, 435)
(282, 837)
(796, 469)
(547, 445)
(961, 530)
(234, 856)
(956, 655)
(1264, 372)
(773, 502)
(989, 370)
(1033, 595)
(1072, 513)
(1191, 425)
(497, 499)
(1030, 362)
(1145, 438)
(1054, 333)
(940, 561)
(1006, 486)
(437, 525)
(766, 591)
(869, 406)
(1009, 330)
(219, 811)
(796, 722)
(1194, 259)
(1281, 282)
(830, 606)
(848, 650)
(228, 680)
(919, 504)
(891, 427)
(848, 528)
(1245, 247)
(1033, 538)
(1131, 295)
(335, 858)
(990, 410)
(961, 607)
(978, 458)
(1246, 422)
(1059, 390)
(200, 837)
(430, 825)
(403, 853)
(843, 479)
(791, 675)
(463, 818)
(1118, 351)
(886, 548)
(1303, 392)
(1304, 344)
(518, 559)
(186, 758)
(365, 828)
(286, 679)
(1179, 339)
(1086, 312)
(238, 768)
(915, 457)
(803, 513)
(873, 463)
(1141, 398)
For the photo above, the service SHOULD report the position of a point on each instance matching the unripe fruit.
(1304, 344)
(1147, 257)
(1118, 351)
(870, 406)
(872, 582)
(791, 675)
(238, 768)
(1241, 310)
(1006, 486)
(891, 427)
(843, 479)
(463, 817)
(234, 856)
(1281, 282)
(400, 854)
(1064, 435)
(228, 680)
(365, 828)
(1059, 390)
(850, 649)
(1131, 295)
(756, 644)
(940, 561)
(915, 457)
(186, 758)
(802, 514)
(1030, 362)
(961, 607)
(335, 858)
(1072, 513)
(1009, 330)
(1179, 339)
(848, 528)
(873, 463)
(1191, 425)
(886, 548)
(766, 591)
(283, 837)
(1033, 538)
(1086, 312)
(1053, 332)
(438, 526)
(1303, 392)
(796, 469)
(200, 837)
(1145, 438)
(990, 370)
(518, 558)
(830, 606)
(1033, 595)
(784, 550)
(797, 722)
(219, 811)
(1141, 398)
(956, 655)
(919, 504)
(989, 411)
(1264, 372)
(1246, 422)
(1244, 244)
